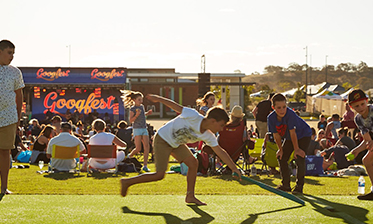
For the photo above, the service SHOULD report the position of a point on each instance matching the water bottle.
(253, 170)
(361, 189)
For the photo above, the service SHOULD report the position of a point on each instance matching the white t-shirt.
(185, 128)
(67, 140)
(102, 138)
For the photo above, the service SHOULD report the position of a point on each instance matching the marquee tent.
(325, 102)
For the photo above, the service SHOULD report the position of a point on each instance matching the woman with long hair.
(40, 146)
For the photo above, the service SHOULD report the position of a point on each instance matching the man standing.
(64, 139)
(260, 112)
(11, 97)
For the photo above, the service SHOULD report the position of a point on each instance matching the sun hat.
(356, 95)
(237, 111)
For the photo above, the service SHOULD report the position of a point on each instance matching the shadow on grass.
(253, 217)
(107, 175)
(349, 213)
(171, 219)
(63, 176)
(266, 180)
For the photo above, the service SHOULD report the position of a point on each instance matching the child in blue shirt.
(296, 135)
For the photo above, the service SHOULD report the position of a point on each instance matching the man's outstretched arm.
(169, 103)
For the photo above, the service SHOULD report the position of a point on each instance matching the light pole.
(69, 46)
(326, 68)
(306, 69)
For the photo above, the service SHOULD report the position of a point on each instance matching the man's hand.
(299, 152)
(279, 154)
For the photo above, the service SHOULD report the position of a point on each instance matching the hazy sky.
(245, 35)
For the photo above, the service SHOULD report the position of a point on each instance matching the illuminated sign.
(106, 76)
(82, 105)
(50, 76)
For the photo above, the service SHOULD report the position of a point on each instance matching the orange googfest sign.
(85, 106)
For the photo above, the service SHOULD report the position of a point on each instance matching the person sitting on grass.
(66, 139)
(339, 154)
(171, 139)
(296, 133)
(364, 121)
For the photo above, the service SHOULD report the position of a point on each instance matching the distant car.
(301, 106)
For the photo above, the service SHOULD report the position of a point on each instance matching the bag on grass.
(24, 156)
(314, 165)
(127, 167)
(134, 161)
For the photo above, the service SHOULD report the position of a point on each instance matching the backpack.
(203, 162)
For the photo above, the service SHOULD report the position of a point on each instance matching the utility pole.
(326, 68)
(69, 46)
(203, 64)
(306, 86)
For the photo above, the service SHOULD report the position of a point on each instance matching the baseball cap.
(356, 95)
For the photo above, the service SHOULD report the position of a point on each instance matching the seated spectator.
(314, 146)
(56, 123)
(320, 135)
(40, 146)
(339, 154)
(344, 139)
(321, 125)
(79, 129)
(332, 127)
(65, 138)
(125, 134)
(105, 138)
(34, 128)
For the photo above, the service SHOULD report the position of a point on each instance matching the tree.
(284, 85)
(294, 67)
(298, 95)
(273, 69)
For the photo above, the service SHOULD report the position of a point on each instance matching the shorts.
(162, 152)
(8, 133)
(140, 131)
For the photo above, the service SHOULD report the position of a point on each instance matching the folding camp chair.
(231, 140)
(102, 152)
(68, 153)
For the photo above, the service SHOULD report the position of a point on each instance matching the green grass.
(69, 198)
(27, 181)
(171, 209)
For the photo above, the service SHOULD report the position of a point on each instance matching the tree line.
(281, 79)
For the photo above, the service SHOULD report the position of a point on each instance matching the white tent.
(345, 94)
(326, 94)
(325, 102)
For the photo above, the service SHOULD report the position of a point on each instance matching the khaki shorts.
(8, 136)
(162, 152)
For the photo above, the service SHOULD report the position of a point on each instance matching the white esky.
(246, 35)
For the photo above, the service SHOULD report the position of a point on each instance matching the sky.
(245, 35)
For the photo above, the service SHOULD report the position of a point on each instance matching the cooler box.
(314, 165)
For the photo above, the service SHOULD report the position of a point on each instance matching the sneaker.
(1, 196)
(297, 190)
(8, 192)
(146, 169)
(283, 188)
(368, 196)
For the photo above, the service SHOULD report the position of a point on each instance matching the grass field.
(69, 198)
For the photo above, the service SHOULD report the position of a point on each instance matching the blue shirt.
(289, 122)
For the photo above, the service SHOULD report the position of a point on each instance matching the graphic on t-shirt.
(281, 129)
(184, 135)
